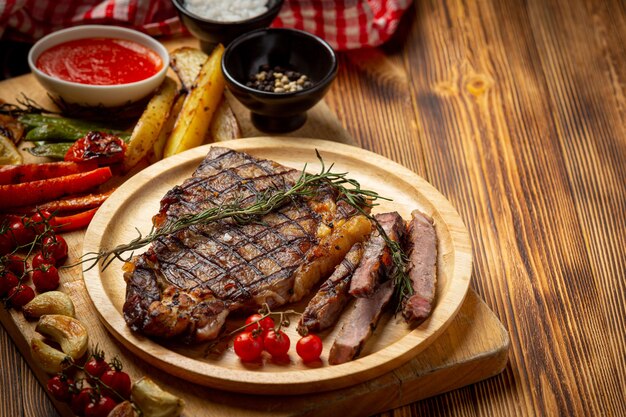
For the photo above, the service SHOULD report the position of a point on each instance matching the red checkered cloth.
(345, 24)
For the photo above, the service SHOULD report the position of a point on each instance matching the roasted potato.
(199, 106)
(187, 63)
(224, 125)
(51, 302)
(147, 129)
(166, 130)
(153, 401)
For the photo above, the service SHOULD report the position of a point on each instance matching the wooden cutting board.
(474, 347)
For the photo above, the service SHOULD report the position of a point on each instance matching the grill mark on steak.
(422, 268)
(198, 275)
(360, 325)
(326, 306)
(377, 260)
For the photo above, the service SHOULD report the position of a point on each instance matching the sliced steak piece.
(359, 325)
(422, 268)
(377, 261)
(185, 285)
(326, 306)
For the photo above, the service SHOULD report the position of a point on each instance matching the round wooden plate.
(132, 205)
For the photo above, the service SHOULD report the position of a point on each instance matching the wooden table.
(516, 111)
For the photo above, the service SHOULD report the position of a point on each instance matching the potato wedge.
(199, 107)
(147, 129)
(224, 124)
(187, 63)
(166, 130)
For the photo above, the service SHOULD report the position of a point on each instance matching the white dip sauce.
(226, 10)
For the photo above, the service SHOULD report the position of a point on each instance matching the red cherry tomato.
(15, 264)
(7, 244)
(21, 295)
(46, 278)
(100, 408)
(59, 387)
(248, 346)
(118, 381)
(55, 246)
(8, 281)
(40, 259)
(21, 234)
(96, 367)
(79, 401)
(38, 221)
(309, 348)
(265, 323)
(276, 343)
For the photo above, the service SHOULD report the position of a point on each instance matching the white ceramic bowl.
(98, 95)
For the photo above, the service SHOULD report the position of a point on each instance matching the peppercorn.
(278, 80)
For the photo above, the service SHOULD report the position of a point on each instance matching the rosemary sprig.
(307, 185)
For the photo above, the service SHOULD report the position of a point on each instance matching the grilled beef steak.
(422, 268)
(376, 260)
(359, 325)
(326, 306)
(187, 283)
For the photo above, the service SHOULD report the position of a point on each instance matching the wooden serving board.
(473, 347)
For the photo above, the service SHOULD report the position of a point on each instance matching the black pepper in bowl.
(278, 80)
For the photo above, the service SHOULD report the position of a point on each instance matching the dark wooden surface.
(516, 111)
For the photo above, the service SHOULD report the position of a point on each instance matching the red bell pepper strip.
(75, 221)
(82, 202)
(14, 174)
(35, 192)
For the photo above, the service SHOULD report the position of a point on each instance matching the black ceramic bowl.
(212, 32)
(294, 49)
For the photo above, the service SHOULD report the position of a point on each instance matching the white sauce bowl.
(98, 95)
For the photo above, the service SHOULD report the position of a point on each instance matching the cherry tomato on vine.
(248, 346)
(46, 278)
(38, 221)
(21, 234)
(309, 347)
(21, 295)
(100, 408)
(96, 367)
(8, 281)
(15, 264)
(6, 243)
(79, 401)
(59, 387)
(265, 323)
(276, 343)
(118, 381)
(40, 259)
(55, 246)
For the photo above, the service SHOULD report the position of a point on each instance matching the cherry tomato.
(79, 401)
(40, 259)
(118, 381)
(276, 343)
(100, 408)
(59, 387)
(96, 367)
(21, 234)
(248, 347)
(265, 323)
(6, 243)
(46, 278)
(55, 246)
(21, 295)
(309, 347)
(38, 221)
(8, 281)
(15, 264)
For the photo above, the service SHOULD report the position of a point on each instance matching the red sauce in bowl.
(100, 61)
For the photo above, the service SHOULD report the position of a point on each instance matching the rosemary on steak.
(307, 185)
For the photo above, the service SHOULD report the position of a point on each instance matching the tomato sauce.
(100, 61)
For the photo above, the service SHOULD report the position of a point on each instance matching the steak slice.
(377, 260)
(188, 282)
(422, 268)
(326, 306)
(360, 325)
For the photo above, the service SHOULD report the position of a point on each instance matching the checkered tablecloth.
(345, 24)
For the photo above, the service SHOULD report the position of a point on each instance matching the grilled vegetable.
(58, 129)
(75, 221)
(199, 107)
(153, 401)
(102, 148)
(147, 130)
(52, 302)
(34, 192)
(50, 150)
(9, 155)
(83, 202)
(13, 174)
(68, 332)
